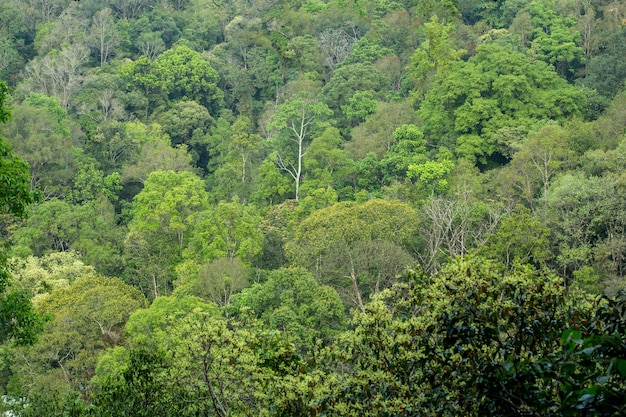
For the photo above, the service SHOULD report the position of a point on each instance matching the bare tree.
(130, 9)
(337, 45)
(105, 37)
(299, 117)
(58, 74)
(454, 226)
(150, 44)
(47, 9)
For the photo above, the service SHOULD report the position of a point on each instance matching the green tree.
(187, 123)
(507, 89)
(359, 106)
(467, 341)
(154, 152)
(555, 39)
(348, 80)
(409, 149)
(327, 164)
(291, 301)
(18, 321)
(376, 133)
(85, 318)
(585, 217)
(236, 176)
(216, 281)
(178, 74)
(42, 275)
(40, 133)
(358, 249)
(115, 144)
(544, 154)
(433, 55)
(186, 359)
(89, 229)
(15, 34)
(518, 239)
(228, 230)
(164, 216)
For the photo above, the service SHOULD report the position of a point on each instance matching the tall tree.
(507, 90)
(60, 73)
(178, 74)
(228, 230)
(86, 317)
(164, 215)
(358, 249)
(18, 321)
(40, 133)
(104, 35)
(298, 119)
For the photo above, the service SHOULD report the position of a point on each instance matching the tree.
(228, 230)
(178, 74)
(358, 249)
(185, 359)
(376, 133)
(466, 341)
(157, 155)
(433, 55)
(59, 226)
(14, 35)
(85, 318)
(18, 320)
(518, 239)
(10, 59)
(66, 29)
(130, 9)
(105, 37)
(455, 225)
(187, 123)
(216, 281)
(164, 216)
(291, 301)
(346, 81)
(299, 118)
(60, 73)
(507, 89)
(44, 11)
(555, 38)
(540, 158)
(585, 217)
(40, 133)
(336, 45)
(327, 164)
(359, 106)
(409, 149)
(42, 275)
(237, 175)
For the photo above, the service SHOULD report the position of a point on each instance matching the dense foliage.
(317, 207)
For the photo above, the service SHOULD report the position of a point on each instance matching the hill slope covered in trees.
(317, 207)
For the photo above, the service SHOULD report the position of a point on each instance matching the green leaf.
(621, 366)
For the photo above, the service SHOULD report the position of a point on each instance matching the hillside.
(316, 207)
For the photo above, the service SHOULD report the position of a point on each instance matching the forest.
(312, 208)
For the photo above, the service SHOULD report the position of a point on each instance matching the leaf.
(621, 366)
(588, 351)
(571, 338)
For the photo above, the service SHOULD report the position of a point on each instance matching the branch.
(281, 164)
